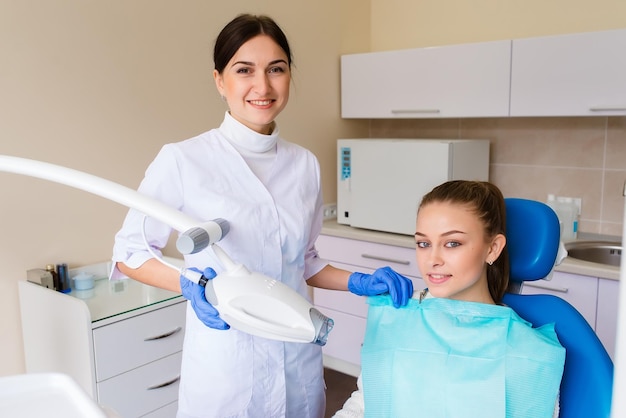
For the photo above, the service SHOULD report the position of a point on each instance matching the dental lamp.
(247, 301)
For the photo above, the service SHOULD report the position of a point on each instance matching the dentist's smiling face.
(452, 250)
(255, 83)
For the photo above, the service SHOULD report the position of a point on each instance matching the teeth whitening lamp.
(247, 301)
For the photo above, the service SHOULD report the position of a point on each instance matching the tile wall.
(531, 157)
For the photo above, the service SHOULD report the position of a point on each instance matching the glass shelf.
(109, 298)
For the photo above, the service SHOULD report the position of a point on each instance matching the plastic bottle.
(64, 278)
(572, 225)
(567, 212)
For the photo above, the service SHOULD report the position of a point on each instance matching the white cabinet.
(468, 80)
(580, 291)
(121, 342)
(579, 74)
(595, 298)
(606, 323)
(343, 349)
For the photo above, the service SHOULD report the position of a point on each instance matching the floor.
(339, 387)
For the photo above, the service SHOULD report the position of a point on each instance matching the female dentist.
(269, 191)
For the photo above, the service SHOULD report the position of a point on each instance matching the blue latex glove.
(203, 309)
(383, 280)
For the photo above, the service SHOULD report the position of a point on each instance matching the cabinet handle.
(167, 334)
(544, 287)
(390, 260)
(608, 109)
(413, 111)
(164, 384)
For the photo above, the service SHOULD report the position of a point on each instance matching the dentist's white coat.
(273, 228)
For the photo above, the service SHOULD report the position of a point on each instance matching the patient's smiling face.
(453, 251)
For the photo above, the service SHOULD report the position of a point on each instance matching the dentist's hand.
(383, 280)
(203, 309)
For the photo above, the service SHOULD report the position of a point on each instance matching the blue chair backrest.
(533, 235)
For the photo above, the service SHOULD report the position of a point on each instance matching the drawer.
(341, 301)
(580, 291)
(143, 390)
(368, 254)
(347, 302)
(345, 340)
(168, 411)
(133, 342)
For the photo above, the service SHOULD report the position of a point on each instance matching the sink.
(603, 252)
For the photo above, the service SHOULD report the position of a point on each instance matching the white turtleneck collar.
(244, 138)
(257, 150)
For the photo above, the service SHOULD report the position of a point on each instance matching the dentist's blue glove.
(195, 294)
(383, 280)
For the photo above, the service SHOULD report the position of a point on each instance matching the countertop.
(568, 265)
(109, 299)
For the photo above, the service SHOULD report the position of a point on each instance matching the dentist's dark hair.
(239, 31)
(487, 202)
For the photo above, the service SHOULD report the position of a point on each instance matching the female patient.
(454, 350)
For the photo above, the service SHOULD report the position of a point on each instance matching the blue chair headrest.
(532, 238)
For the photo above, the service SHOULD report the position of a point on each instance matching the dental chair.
(533, 235)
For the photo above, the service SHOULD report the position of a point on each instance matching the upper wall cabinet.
(468, 80)
(580, 74)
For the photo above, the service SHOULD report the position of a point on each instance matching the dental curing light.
(247, 301)
(259, 305)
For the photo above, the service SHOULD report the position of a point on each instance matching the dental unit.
(247, 301)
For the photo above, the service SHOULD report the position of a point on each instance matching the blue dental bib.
(443, 358)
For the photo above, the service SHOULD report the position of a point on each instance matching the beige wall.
(398, 24)
(100, 86)
(531, 157)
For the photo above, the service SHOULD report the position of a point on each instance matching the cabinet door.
(580, 291)
(349, 313)
(606, 323)
(348, 310)
(468, 80)
(367, 254)
(569, 75)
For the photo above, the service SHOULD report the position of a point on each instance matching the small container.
(55, 276)
(64, 278)
(567, 212)
(83, 281)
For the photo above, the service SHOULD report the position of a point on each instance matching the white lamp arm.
(195, 235)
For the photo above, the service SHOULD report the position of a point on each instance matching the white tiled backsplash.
(532, 157)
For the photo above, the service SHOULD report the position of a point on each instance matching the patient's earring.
(490, 262)
(223, 98)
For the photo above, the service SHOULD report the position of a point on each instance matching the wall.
(101, 86)
(418, 23)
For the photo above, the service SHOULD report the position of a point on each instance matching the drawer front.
(345, 340)
(142, 390)
(168, 411)
(348, 302)
(133, 342)
(580, 291)
(341, 301)
(368, 254)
